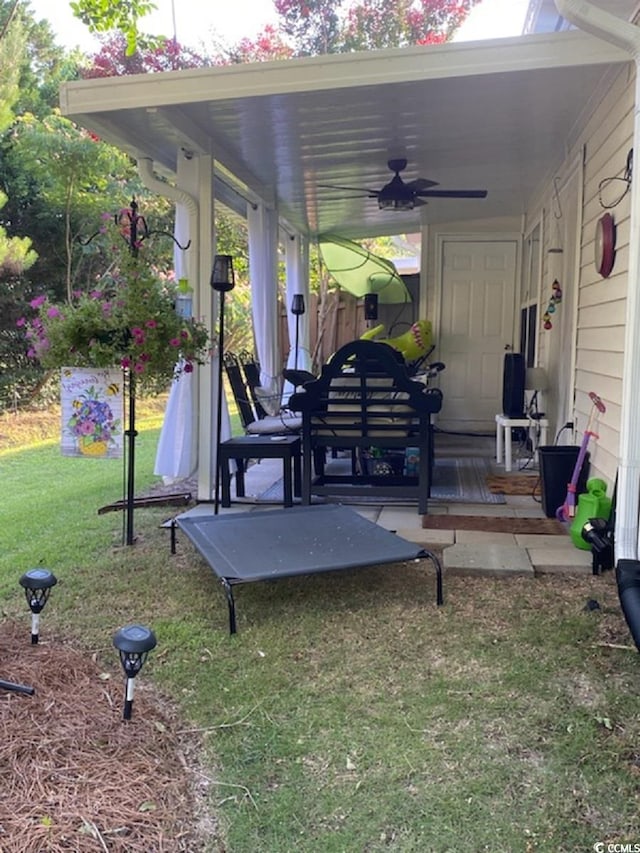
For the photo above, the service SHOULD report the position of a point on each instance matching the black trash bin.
(556, 469)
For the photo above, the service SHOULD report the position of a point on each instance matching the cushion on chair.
(276, 424)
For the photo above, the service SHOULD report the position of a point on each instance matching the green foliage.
(16, 254)
(12, 47)
(129, 321)
(103, 15)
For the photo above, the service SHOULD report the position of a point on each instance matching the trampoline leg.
(228, 591)
(438, 566)
(173, 536)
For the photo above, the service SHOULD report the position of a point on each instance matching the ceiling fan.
(401, 195)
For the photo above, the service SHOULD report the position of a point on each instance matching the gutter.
(614, 30)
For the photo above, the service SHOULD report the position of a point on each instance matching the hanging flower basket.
(128, 320)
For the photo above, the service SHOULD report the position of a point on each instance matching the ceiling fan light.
(404, 204)
(396, 203)
(385, 203)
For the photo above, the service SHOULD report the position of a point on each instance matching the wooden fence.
(333, 321)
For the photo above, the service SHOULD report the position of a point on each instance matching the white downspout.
(621, 33)
(153, 183)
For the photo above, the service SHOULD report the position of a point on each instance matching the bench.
(365, 401)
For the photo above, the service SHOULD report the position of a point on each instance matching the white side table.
(504, 425)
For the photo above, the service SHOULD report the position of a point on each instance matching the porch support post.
(296, 257)
(207, 306)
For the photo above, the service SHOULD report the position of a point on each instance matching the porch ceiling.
(494, 115)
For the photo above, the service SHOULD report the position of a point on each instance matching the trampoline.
(264, 546)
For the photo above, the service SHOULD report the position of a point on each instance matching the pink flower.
(144, 356)
(175, 342)
(151, 324)
(125, 362)
(184, 334)
(53, 312)
(21, 321)
(188, 368)
(38, 301)
(139, 368)
(137, 332)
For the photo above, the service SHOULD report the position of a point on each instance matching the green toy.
(594, 503)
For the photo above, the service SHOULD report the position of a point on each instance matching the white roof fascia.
(337, 71)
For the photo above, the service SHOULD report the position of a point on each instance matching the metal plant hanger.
(134, 230)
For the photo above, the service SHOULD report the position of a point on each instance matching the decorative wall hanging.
(556, 299)
(605, 245)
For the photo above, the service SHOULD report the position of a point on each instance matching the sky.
(197, 19)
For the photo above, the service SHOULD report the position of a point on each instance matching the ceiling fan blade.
(420, 184)
(372, 193)
(452, 194)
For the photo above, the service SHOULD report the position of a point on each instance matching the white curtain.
(176, 454)
(297, 272)
(263, 274)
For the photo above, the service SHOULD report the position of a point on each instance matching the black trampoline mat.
(257, 546)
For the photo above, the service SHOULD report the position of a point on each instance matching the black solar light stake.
(37, 585)
(134, 642)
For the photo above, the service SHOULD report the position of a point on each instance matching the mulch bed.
(513, 484)
(73, 774)
(495, 524)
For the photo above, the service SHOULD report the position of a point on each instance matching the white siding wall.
(605, 138)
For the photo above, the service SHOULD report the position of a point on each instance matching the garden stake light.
(297, 309)
(37, 585)
(133, 642)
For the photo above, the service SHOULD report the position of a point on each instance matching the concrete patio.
(463, 551)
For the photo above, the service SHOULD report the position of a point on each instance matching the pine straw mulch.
(74, 775)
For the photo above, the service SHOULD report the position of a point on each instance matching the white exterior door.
(478, 286)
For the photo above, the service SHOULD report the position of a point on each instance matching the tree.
(270, 44)
(16, 254)
(372, 24)
(73, 171)
(101, 16)
(113, 59)
(314, 27)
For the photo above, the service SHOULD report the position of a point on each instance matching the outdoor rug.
(460, 479)
(514, 484)
(495, 524)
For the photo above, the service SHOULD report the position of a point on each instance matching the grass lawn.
(349, 713)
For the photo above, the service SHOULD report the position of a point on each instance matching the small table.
(285, 447)
(503, 422)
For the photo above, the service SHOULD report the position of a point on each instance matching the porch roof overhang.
(496, 115)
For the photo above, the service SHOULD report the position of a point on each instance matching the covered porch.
(275, 140)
